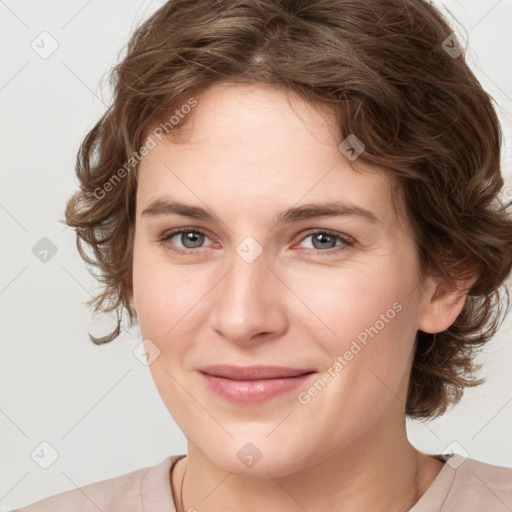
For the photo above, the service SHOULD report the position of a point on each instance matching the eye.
(324, 241)
(191, 238)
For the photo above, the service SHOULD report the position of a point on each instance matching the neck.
(392, 476)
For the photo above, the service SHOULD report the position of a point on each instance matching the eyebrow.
(163, 207)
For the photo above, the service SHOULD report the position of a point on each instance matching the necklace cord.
(418, 494)
(181, 489)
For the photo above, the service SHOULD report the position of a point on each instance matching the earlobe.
(444, 305)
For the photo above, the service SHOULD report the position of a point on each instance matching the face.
(243, 284)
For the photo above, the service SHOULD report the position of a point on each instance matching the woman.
(298, 203)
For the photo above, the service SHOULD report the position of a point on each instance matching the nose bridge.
(245, 283)
(248, 302)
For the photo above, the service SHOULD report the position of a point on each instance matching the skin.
(249, 153)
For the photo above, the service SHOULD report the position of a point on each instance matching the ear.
(444, 302)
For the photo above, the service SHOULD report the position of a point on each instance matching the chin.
(259, 458)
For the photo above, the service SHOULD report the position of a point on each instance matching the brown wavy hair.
(383, 68)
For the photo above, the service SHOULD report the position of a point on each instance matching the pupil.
(321, 238)
(194, 238)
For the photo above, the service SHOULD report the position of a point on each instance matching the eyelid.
(164, 239)
(345, 239)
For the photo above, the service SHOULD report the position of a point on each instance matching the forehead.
(258, 144)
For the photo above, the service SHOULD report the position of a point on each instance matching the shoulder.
(124, 493)
(480, 486)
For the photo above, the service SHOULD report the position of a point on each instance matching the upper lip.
(252, 372)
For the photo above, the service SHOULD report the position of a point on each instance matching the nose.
(250, 302)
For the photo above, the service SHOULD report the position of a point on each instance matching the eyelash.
(347, 242)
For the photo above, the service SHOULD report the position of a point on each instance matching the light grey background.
(98, 406)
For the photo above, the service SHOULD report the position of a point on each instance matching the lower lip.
(252, 391)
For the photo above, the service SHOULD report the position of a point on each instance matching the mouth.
(254, 384)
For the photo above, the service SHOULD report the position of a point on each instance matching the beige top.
(462, 485)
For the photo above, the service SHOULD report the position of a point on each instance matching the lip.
(252, 384)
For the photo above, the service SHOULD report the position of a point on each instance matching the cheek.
(169, 300)
(161, 305)
(365, 315)
(348, 300)
(153, 294)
